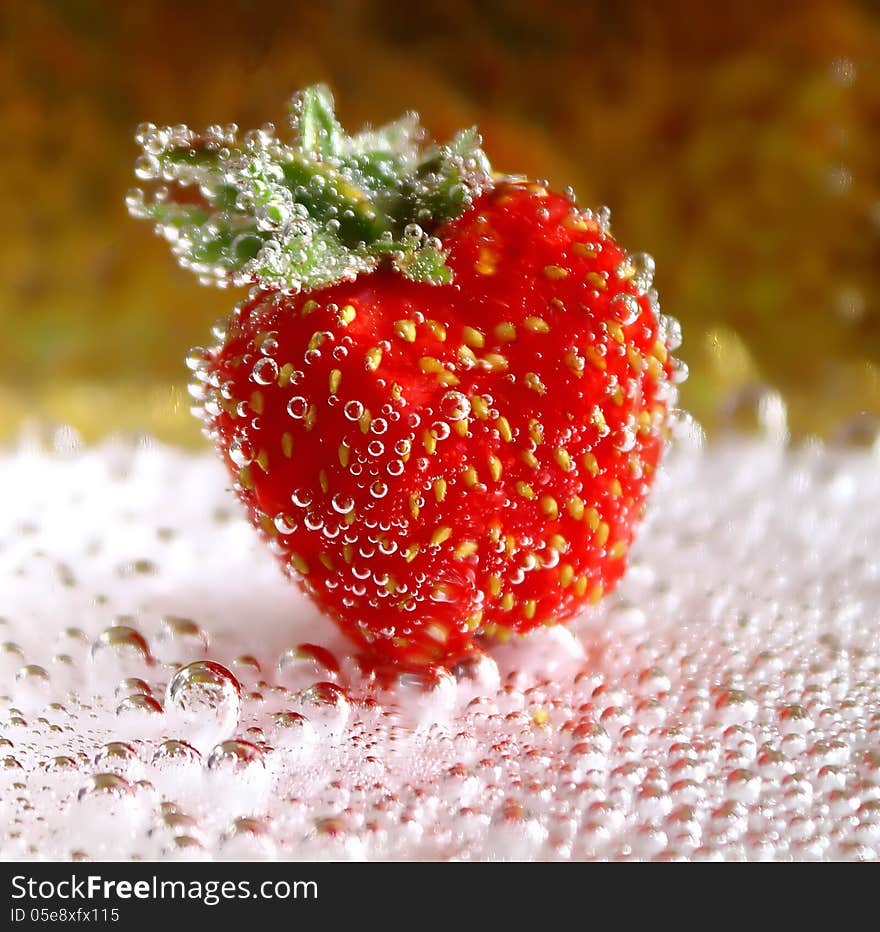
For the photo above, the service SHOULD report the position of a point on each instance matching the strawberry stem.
(302, 215)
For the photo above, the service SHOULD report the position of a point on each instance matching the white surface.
(724, 703)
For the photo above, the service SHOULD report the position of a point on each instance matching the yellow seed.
(530, 606)
(575, 507)
(533, 381)
(326, 560)
(496, 361)
(347, 553)
(615, 488)
(585, 249)
(335, 379)
(470, 477)
(411, 552)
(617, 550)
(504, 429)
(576, 363)
(268, 525)
(560, 454)
(615, 330)
(555, 272)
(429, 442)
(549, 507)
(505, 332)
(373, 358)
(308, 307)
(596, 358)
(257, 402)
(299, 564)
(596, 593)
(473, 337)
(580, 585)
(461, 427)
(635, 359)
(316, 341)
(414, 506)
(529, 459)
(596, 280)
(485, 264)
(442, 534)
(467, 357)
(660, 351)
(495, 467)
(590, 464)
(437, 329)
(602, 533)
(287, 445)
(324, 481)
(244, 477)
(479, 407)
(396, 392)
(440, 489)
(406, 330)
(508, 601)
(473, 621)
(494, 583)
(566, 575)
(576, 221)
(536, 430)
(525, 490)
(343, 452)
(311, 415)
(447, 378)
(558, 542)
(536, 325)
(284, 374)
(365, 420)
(591, 516)
(618, 397)
(465, 549)
(346, 315)
(430, 364)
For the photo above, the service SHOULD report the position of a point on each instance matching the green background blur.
(739, 148)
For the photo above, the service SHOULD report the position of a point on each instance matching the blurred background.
(740, 148)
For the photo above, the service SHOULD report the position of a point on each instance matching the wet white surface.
(723, 703)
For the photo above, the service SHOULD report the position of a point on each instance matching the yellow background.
(739, 148)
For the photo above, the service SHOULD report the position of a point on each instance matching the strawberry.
(445, 398)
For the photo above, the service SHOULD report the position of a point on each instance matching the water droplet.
(205, 698)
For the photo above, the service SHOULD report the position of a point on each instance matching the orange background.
(740, 149)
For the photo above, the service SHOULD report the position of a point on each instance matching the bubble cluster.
(723, 704)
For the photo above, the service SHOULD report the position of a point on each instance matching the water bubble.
(297, 407)
(236, 757)
(306, 664)
(175, 754)
(625, 308)
(116, 757)
(121, 648)
(291, 731)
(205, 698)
(353, 410)
(454, 406)
(327, 705)
(106, 785)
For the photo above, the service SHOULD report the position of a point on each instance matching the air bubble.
(205, 698)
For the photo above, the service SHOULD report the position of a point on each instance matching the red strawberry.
(442, 437)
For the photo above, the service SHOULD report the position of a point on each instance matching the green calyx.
(306, 214)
